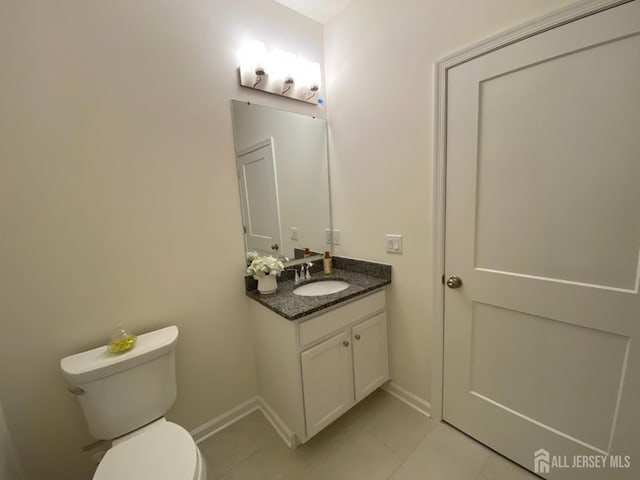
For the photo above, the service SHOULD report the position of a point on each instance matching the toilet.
(124, 398)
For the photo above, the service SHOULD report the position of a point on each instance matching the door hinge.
(443, 278)
(245, 232)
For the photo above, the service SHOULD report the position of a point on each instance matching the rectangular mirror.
(283, 174)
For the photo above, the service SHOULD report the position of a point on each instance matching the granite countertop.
(293, 307)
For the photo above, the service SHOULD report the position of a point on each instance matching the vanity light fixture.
(279, 72)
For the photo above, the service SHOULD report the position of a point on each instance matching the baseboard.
(287, 435)
(409, 398)
(237, 413)
(221, 422)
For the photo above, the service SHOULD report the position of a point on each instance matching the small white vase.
(267, 284)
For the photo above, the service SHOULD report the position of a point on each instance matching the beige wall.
(9, 466)
(119, 200)
(379, 59)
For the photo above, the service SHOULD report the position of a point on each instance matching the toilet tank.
(121, 392)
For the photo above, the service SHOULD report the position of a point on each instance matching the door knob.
(275, 246)
(345, 343)
(454, 282)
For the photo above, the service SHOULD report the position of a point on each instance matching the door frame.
(556, 18)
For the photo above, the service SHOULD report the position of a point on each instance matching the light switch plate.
(336, 236)
(293, 233)
(393, 243)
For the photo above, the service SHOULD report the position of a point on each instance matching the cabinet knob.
(357, 336)
(345, 343)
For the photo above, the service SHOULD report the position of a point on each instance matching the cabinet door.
(370, 355)
(327, 382)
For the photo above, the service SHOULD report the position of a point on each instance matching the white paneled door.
(259, 197)
(542, 323)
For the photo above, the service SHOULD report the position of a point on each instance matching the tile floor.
(381, 438)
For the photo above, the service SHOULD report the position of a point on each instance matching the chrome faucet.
(297, 277)
(304, 272)
(307, 274)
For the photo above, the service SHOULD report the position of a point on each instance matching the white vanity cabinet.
(370, 355)
(327, 381)
(342, 370)
(311, 371)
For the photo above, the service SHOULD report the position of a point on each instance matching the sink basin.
(321, 287)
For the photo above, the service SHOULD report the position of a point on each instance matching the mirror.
(283, 174)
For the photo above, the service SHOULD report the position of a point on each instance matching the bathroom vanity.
(318, 356)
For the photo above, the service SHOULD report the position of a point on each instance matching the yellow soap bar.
(122, 344)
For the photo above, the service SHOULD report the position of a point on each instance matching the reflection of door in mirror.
(295, 212)
(259, 197)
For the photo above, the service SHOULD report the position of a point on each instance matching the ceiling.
(319, 10)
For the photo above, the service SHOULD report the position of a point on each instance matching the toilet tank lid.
(98, 363)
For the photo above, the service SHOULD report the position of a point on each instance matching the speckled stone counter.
(293, 307)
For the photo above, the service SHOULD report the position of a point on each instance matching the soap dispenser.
(328, 263)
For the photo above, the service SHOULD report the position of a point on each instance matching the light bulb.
(308, 73)
(252, 56)
(281, 65)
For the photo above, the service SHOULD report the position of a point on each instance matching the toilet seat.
(161, 450)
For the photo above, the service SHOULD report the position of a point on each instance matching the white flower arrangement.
(263, 266)
(251, 256)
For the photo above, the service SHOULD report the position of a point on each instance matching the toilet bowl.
(161, 450)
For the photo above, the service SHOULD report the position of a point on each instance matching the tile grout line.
(413, 451)
(226, 429)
